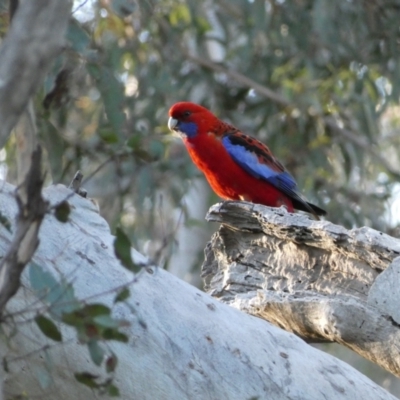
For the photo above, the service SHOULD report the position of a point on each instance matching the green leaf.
(144, 183)
(157, 149)
(95, 309)
(112, 96)
(48, 328)
(55, 146)
(106, 321)
(77, 36)
(96, 352)
(62, 299)
(85, 314)
(59, 295)
(113, 391)
(123, 8)
(5, 222)
(108, 135)
(134, 142)
(180, 13)
(5, 365)
(87, 379)
(112, 93)
(62, 211)
(41, 280)
(122, 249)
(122, 295)
(94, 70)
(143, 154)
(73, 318)
(113, 334)
(111, 363)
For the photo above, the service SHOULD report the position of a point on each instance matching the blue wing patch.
(256, 159)
(249, 161)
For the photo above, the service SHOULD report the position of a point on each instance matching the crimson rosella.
(237, 166)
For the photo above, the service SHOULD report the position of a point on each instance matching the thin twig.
(76, 183)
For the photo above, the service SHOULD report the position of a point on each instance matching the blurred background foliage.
(316, 80)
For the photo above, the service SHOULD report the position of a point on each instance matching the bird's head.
(189, 119)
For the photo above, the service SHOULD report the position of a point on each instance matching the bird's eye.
(187, 113)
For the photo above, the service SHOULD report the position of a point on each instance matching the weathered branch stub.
(32, 209)
(312, 278)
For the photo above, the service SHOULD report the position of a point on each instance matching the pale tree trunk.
(183, 344)
(35, 39)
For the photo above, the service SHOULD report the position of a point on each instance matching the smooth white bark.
(183, 343)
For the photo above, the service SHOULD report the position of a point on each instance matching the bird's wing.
(256, 159)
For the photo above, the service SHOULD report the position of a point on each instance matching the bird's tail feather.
(308, 207)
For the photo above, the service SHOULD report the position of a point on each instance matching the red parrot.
(237, 166)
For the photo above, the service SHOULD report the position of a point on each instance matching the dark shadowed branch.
(32, 209)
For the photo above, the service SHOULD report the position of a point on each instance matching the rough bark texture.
(313, 278)
(31, 210)
(183, 343)
(26, 141)
(36, 37)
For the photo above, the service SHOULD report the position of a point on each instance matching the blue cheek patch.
(188, 128)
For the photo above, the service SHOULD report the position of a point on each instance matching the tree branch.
(32, 209)
(36, 37)
(26, 140)
(313, 278)
(183, 343)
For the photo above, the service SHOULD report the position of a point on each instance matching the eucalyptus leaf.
(87, 379)
(48, 328)
(96, 352)
(122, 248)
